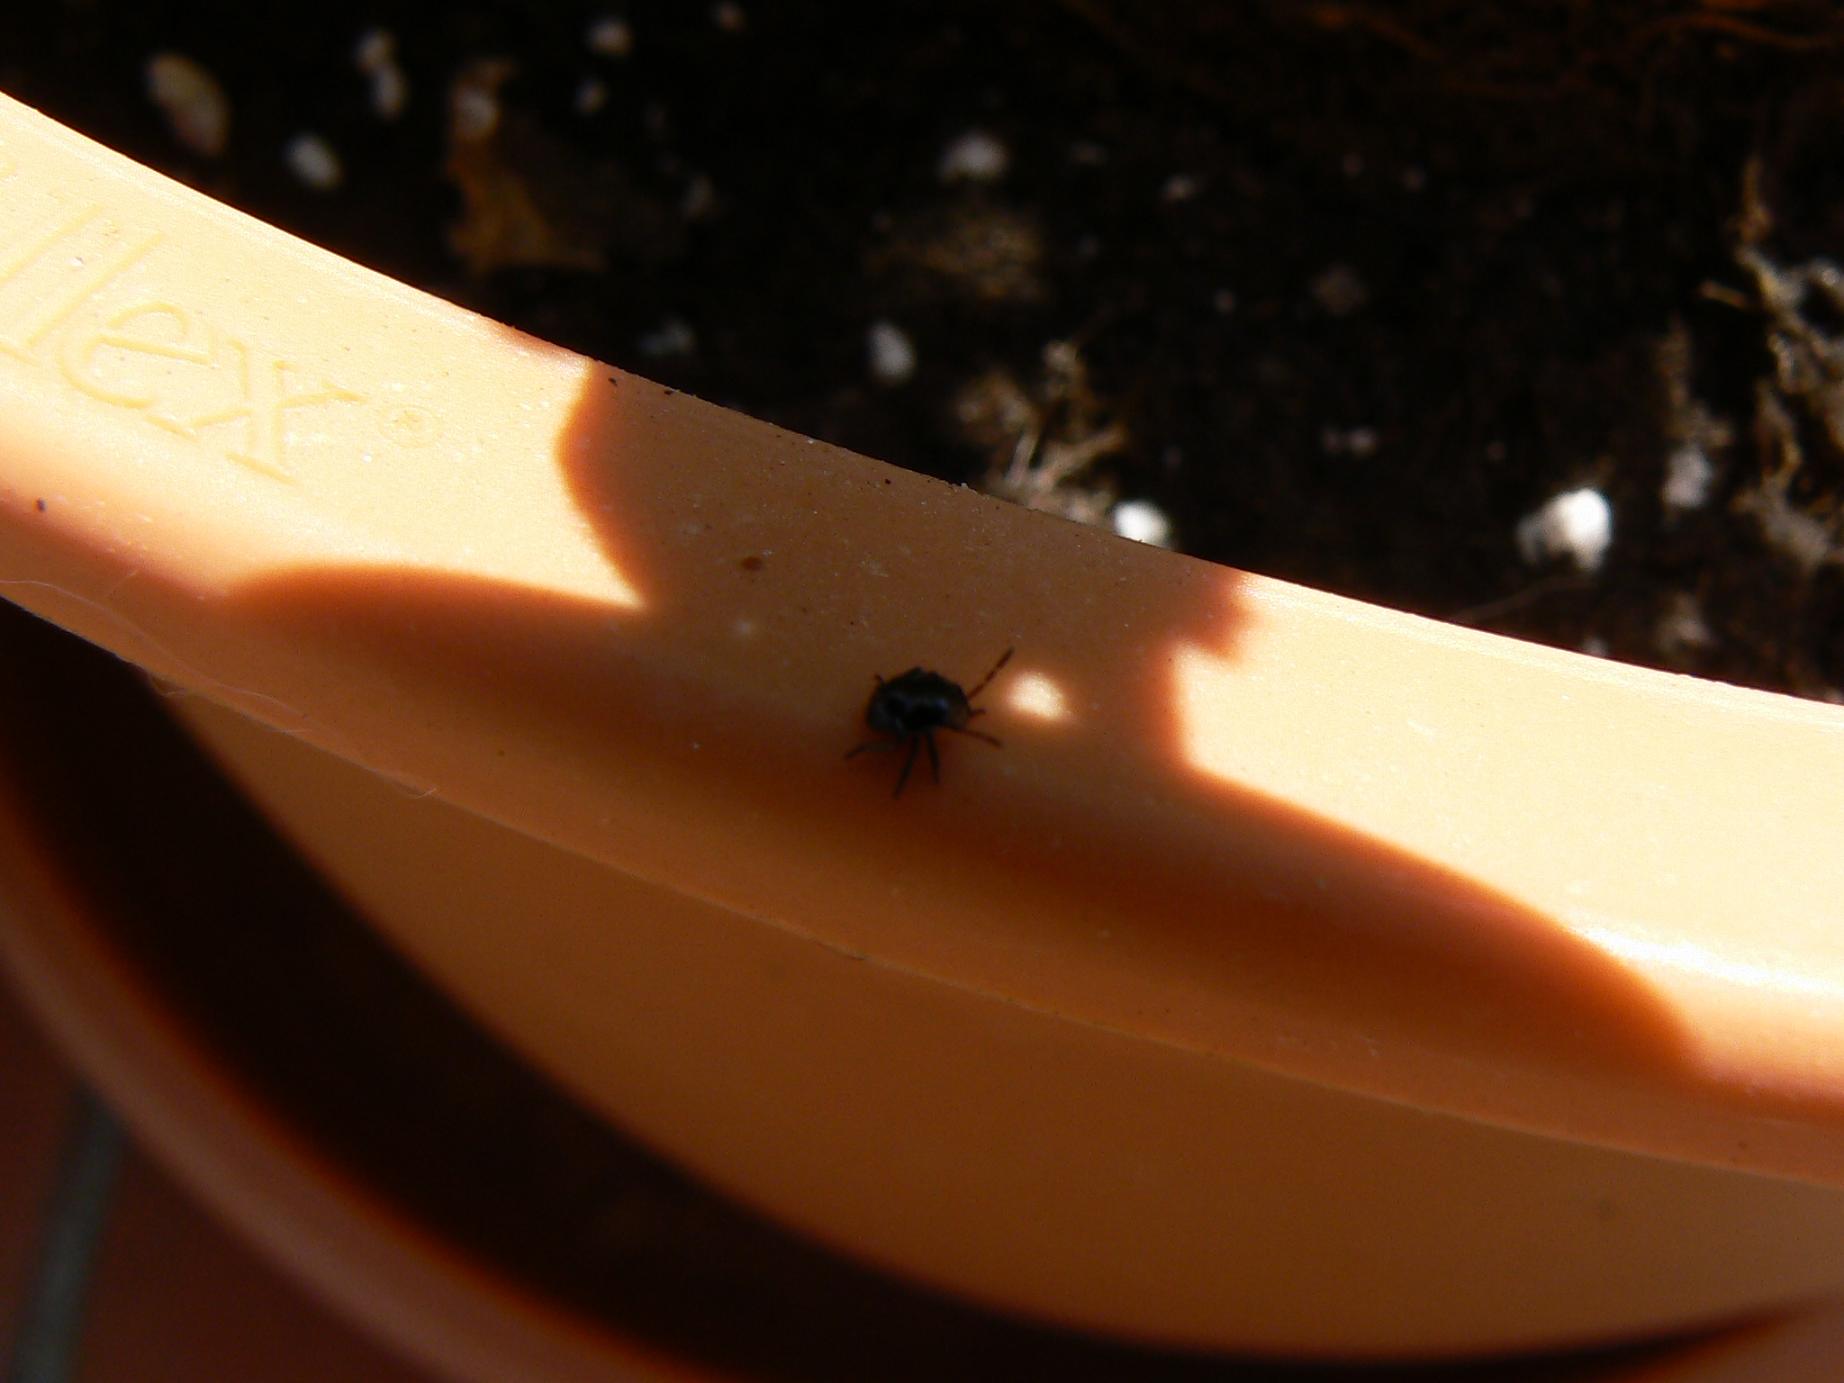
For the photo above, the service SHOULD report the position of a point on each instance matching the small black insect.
(904, 712)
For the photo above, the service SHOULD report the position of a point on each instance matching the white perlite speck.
(974, 157)
(591, 95)
(610, 36)
(674, 336)
(1180, 187)
(473, 99)
(1681, 627)
(1143, 521)
(1358, 442)
(1689, 475)
(1577, 525)
(195, 106)
(314, 162)
(892, 354)
(1340, 290)
(375, 55)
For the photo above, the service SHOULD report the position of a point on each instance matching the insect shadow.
(905, 711)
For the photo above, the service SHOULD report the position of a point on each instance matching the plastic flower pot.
(364, 1135)
(1298, 978)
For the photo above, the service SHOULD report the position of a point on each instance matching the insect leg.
(934, 759)
(909, 762)
(993, 740)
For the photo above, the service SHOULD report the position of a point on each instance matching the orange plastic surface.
(1235, 824)
(1083, 1175)
(290, 1186)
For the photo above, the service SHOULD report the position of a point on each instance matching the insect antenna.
(980, 686)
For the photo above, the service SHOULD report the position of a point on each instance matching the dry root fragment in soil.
(1799, 408)
(1043, 443)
